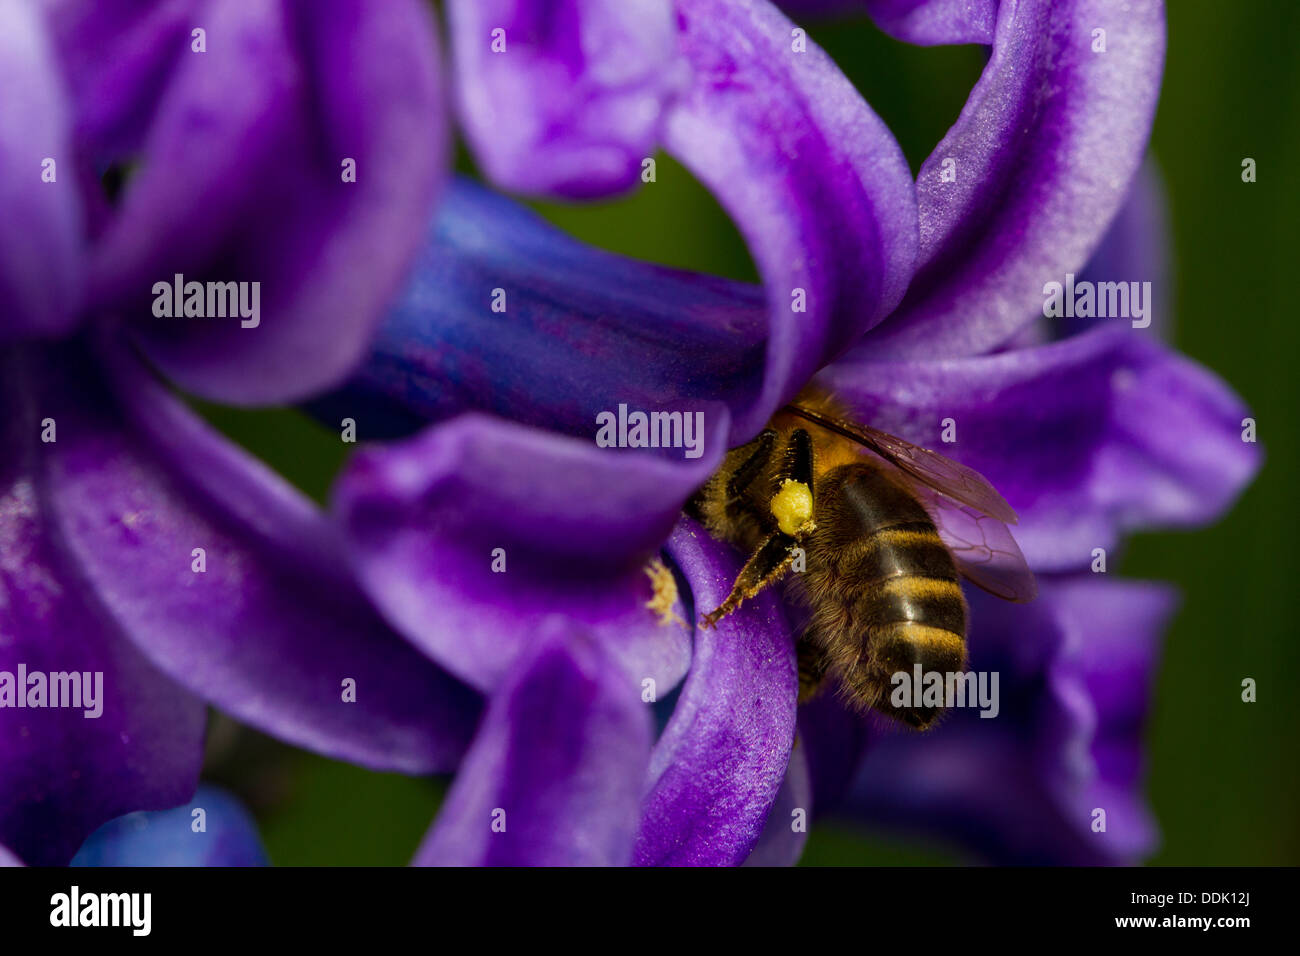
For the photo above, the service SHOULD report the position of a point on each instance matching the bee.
(884, 530)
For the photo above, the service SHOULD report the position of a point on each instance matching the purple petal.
(558, 764)
(1112, 665)
(1021, 787)
(717, 767)
(571, 524)
(1136, 248)
(66, 770)
(934, 22)
(273, 628)
(169, 837)
(814, 180)
(241, 178)
(1044, 152)
(117, 58)
(1086, 438)
(581, 332)
(8, 859)
(786, 831)
(923, 22)
(816, 183)
(566, 99)
(40, 242)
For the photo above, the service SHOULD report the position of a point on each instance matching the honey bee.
(883, 538)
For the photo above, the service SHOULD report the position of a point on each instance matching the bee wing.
(982, 546)
(944, 475)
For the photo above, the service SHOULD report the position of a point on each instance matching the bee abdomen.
(909, 618)
(898, 648)
(914, 616)
(898, 574)
(913, 549)
(893, 597)
(914, 599)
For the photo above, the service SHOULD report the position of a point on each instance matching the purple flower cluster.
(480, 579)
(139, 141)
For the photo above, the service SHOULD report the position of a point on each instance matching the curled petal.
(934, 22)
(473, 533)
(228, 836)
(1110, 663)
(923, 22)
(134, 739)
(231, 581)
(1022, 188)
(1136, 249)
(504, 313)
(245, 176)
(554, 775)
(40, 241)
(786, 831)
(1086, 438)
(563, 97)
(1022, 786)
(816, 183)
(717, 767)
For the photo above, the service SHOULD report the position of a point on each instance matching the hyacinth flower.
(497, 536)
(210, 141)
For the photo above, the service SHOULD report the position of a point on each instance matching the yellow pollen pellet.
(792, 506)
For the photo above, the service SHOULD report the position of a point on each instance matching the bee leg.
(765, 567)
(798, 462)
(751, 467)
(738, 497)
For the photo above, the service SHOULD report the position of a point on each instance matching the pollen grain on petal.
(664, 596)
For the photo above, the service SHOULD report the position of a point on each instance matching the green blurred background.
(1224, 776)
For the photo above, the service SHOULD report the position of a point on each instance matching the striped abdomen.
(883, 589)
